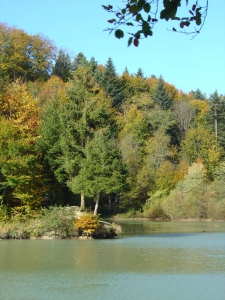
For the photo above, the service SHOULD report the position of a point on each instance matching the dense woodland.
(74, 132)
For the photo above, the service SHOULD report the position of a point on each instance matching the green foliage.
(215, 117)
(197, 144)
(102, 170)
(143, 15)
(161, 96)
(23, 56)
(90, 132)
(63, 66)
(193, 197)
(112, 85)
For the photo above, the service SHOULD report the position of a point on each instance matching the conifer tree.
(102, 170)
(161, 96)
(79, 61)
(216, 117)
(198, 94)
(93, 65)
(63, 66)
(112, 84)
(140, 73)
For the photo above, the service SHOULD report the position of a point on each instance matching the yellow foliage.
(19, 106)
(201, 108)
(87, 223)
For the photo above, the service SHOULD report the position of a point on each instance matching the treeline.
(73, 132)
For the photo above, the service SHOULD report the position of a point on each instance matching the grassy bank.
(58, 222)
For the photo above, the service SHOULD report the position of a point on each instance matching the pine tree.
(63, 66)
(93, 65)
(79, 61)
(140, 73)
(198, 94)
(161, 96)
(112, 84)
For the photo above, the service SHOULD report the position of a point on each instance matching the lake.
(153, 260)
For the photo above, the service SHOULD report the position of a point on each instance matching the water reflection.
(150, 266)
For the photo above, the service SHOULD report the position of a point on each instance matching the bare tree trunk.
(82, 201)
(96, 205)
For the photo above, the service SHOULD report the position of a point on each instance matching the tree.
(102, 170)
(184, 114)
(68, 124)
(140, 73)
(198, 95)
(79, 61)
(23, 180)
(161, 96)
(197, 144)
(216, 117)
(25, 57)
(112, 84)
(63, 66)
(144, 14)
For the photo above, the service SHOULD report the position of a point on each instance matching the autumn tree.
(184, 114)
(24, 183)
(25, 57)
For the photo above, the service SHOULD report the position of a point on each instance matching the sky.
(78, 26)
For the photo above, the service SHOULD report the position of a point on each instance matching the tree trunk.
(82, 201)
(96, 205)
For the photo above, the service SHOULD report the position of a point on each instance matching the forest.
(75, 133)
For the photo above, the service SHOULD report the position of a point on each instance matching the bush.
(152, 209)
(87, 224)
(56, 221)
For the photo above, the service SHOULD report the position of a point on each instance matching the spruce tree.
(79, 61)
(140, 73)
(198, 94)
(161, 96)
(63, 66)
(112, 84)
(102, 170)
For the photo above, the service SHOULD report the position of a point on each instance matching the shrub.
(87, 224)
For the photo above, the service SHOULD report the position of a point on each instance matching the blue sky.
(77, 26)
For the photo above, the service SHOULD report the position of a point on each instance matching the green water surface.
(153, 260)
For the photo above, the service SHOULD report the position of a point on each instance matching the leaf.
(109, 7)
(130, 24)
(112, 20)
(198, 18)
(147, 7)
(194, 7)
(130, 41)
(136, 42)
(123, 11)
(174, 29)
(119, 34)
(133, 9)
(140, 3)
(138, 17)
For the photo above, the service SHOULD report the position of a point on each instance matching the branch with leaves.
(142, 15)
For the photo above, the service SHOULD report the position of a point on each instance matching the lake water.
(154, 260)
